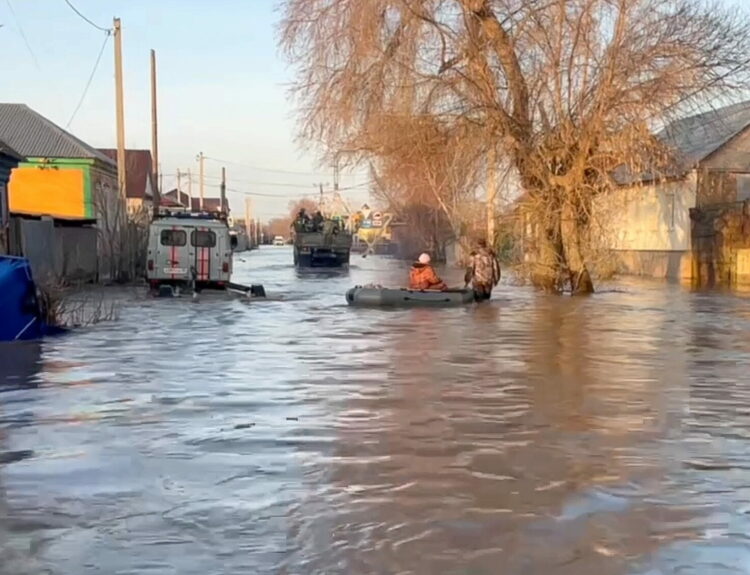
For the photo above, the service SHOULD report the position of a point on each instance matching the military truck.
(327, 245)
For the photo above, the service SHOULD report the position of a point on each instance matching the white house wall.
(648, 217)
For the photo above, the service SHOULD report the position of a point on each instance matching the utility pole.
(336, 174)
(190, 191)
(179, 183)
(249, 221)
(258, 233)
(223, 189)
(155, 137)
(120, 108)
(491, 196)
(200, 179)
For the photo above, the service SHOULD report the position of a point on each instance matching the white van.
(188, 248)
(279, 241)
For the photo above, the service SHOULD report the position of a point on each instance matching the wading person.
(483, 272)
(422, 275)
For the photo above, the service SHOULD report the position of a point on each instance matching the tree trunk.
(559, 249)
(572, 225)
(549, 257)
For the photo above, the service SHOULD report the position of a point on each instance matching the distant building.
(181, 199)
(139, 174)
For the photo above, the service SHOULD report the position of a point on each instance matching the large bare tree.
(565, 90)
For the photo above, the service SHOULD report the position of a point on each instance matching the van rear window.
(173, 237)
(203, 238)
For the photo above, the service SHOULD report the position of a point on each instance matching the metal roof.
(34, 136)
(697, 137)
(6, 150)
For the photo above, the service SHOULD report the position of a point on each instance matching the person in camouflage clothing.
(483, 272)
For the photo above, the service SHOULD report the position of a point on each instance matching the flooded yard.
(533, 435)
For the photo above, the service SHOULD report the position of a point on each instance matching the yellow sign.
(60, 193)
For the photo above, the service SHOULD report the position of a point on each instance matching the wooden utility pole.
(491, 196)
(190, 190)
(258, 233)
(179, 184)
(336, 174)
(155, 137)
(120, 108)
(200, 179)
(223, 190)
(249, 221)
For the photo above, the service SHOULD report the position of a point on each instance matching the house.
(63, 199)
(9, 160)
(649, 226)
(139, 179)
(181, 199)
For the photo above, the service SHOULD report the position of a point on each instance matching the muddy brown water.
(533, 435)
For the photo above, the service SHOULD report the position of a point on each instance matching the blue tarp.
(20, 313)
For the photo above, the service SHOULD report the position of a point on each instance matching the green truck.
(328, 247)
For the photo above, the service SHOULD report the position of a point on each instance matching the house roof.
(209, 204)
(691, 141)
(172, 196)
(169, 203)
(6, 150)
(696, 137)
(34, 136)
(138, 171)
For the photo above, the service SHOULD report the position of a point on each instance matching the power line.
(194, 178)
(85, 19)
(311, 190)
(23, 34)
(91, 79)
(260, 169)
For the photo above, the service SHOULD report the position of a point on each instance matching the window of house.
(173, 238)
(743, 187)
(203, 238)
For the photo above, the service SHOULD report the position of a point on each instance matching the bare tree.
(122, 234)
(425, 171)
(567, 91)
(281, 226)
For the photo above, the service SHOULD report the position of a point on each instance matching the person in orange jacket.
(422, 275)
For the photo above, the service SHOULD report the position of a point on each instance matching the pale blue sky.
(222, 87)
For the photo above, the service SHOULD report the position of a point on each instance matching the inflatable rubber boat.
(387, 297)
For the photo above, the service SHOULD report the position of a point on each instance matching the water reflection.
(19, 365)
(532, 435)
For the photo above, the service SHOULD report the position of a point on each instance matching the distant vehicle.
(329, 248)
(279, 241)
(189, 250)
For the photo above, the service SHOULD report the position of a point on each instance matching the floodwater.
(534, 435)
